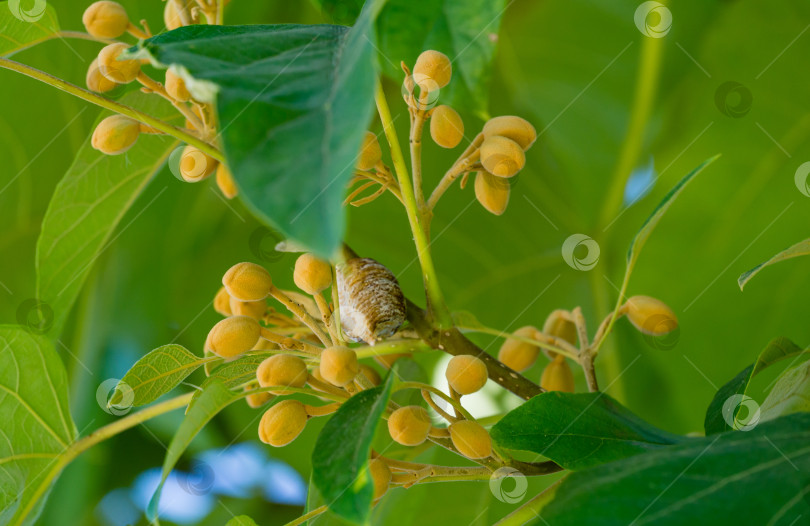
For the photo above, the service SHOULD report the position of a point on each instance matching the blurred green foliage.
(568, 67)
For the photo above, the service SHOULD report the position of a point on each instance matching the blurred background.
(730, 77)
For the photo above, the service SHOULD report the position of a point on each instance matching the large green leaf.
(580, 430)
(293, 102)
(154, 375)
(340, 457)
(729, 400)
(16, 33)
(214, 398)
(36, 427)
(759, 477)
(88, 204)
(802, 248)
(461, 29)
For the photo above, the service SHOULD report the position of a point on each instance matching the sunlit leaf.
(89, 202)
(154, 375)
(36, 423)
(16, 33)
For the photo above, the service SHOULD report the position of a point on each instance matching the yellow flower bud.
(471, 439)
(282, 423)
(559, 326)
(105, 19)
(115, 134)
(432, 66)
(372, 306)
(339, 365)
(222, 302)
(370, 152)
(233, 336)
(380, 476)
(446, 127)
(196, 165)
(248, 282)
(501, 156)
(256, 399)
(511, 127)
(466, 374)
(176, 87)
(282, 369)
(409, 425)
(517, 354)
(492, 192)
(371, 374)
(96, 81)
(225, 182)
(120, 71)
(557, 376)
(312, 275)
(650, 315)
(170, 15)
(254, 309)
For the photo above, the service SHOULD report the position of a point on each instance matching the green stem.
(437, 306)
(530, 509)
(112, 105)
(392, 347)
(646, 85)
(305, 517)
(99, 435)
